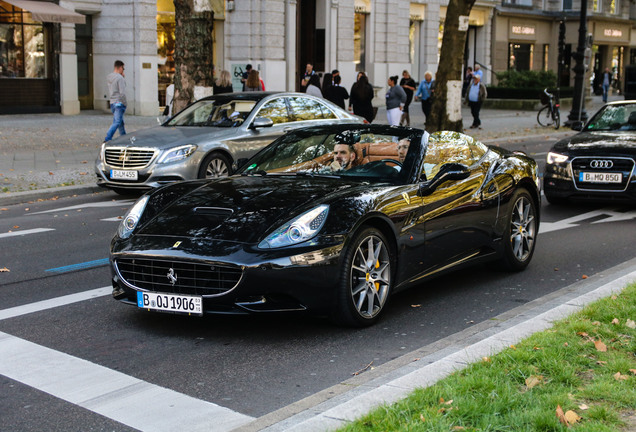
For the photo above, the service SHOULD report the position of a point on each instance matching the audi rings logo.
(601, 164)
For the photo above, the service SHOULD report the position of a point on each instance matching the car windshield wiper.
(309, 174)
(258, 172)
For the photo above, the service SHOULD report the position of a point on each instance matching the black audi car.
(598, 162)
(330, 219)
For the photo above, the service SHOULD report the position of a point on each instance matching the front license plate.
(597, 177)
(176, 303)
(123, 175)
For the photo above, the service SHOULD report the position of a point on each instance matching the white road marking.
(113, 219)
(100, 204)
(120, 397)
(609, 215)
(25, 232)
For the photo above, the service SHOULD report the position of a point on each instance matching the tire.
(556, 116)
(544, 116)
(215, 165)
(520, 233)
(365, 281)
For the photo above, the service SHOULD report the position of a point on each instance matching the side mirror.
(239, 163)
(449, 171)
(261, 122)
(577, 126)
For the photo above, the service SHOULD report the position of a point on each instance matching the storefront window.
(165, 47)
(22, 44)
(521, 56)
(613, 7)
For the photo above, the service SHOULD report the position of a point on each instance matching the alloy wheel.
(523, 229)
(370, 276)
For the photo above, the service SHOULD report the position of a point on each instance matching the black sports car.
(598, 162)
(331, 219)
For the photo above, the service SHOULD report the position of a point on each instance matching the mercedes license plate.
(176, 303)
(599, 177)
(123, 175)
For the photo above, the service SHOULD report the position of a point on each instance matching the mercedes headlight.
(177, 154)
(556, 158)
(130, 221)
(298, 230)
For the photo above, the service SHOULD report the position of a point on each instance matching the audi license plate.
(123, 175)
(175, 303)
(599, 177)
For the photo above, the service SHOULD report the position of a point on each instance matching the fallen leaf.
(614, 297)
(615, 321)
(458, 428)
(83, 173)
(84, 162)
(422, 417)
(584, 277)
(486, 359)
(601, 362)
(572, 417)
(513, 347)
(583, 334)
(633, 371)
(416, 306)
(16, 226)
(620, 377)
(4, 209)
(561, 415)
(583, 407)
(534, 380)
(4, 270)
(600, 346)
(51, 173)
(630, 323)
(596, 323)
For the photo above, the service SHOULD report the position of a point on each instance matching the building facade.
(59, 62)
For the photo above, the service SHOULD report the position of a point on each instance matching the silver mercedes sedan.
(207, 138)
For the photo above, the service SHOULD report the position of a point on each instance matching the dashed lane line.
(25, 232)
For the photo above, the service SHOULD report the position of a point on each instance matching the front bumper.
(299, 282)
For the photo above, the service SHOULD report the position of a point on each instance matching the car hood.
(163, 137)
(617, 143)
(243, 209)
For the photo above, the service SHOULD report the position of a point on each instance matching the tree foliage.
(446, 109)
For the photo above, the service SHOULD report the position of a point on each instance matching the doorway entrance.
(310, 43)
(84, 48)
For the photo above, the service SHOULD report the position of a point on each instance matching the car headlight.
(101, 152)
(130, 221)
(177, 153)
(298, 230)
(556, 158)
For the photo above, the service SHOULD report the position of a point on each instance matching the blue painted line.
(80, 266)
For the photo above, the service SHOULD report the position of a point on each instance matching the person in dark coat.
(361, 97)
(223, 84)
(337, 93)
(408, 84)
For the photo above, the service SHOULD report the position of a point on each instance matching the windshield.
(614, 118)
(350, 153)
(215, 113)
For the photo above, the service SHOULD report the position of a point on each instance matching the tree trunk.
(193, 51)
(446, 113)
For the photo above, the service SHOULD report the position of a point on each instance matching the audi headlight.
(298, 230)
(177, 154)
(556, 158)
(130, 221)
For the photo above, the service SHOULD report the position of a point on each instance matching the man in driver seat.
(344, 156)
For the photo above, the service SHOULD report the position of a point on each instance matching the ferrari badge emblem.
(406, 197)
(172, 276)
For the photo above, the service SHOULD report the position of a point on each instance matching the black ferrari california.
(599, 162)
(329, 219)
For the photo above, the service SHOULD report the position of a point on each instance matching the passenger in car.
(344, 156)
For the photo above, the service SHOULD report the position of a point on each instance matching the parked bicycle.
(550, 113)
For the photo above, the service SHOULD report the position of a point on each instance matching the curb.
(12, 198)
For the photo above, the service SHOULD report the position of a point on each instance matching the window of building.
(518, 2)
(613, 7)
(521, 56)
(360, 40)
(546, 56)
(597, 5)
(23, 44)
(567, 4)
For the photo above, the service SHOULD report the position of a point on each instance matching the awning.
(48, 12)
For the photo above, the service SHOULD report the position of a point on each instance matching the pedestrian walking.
(245, 75)
(468, 79)
(408, 84)
(475, 96)
(169, 99)
(117, 96)
(607, 80)
(327, 83)
(309, 71)
(478, 71)
(425, 92)
(361, 98)
(395, 100)
(338, 93)
(223, 84)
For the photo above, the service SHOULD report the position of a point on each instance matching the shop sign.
(614, 33)
(523, 30)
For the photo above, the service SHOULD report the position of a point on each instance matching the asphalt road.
(240, 368)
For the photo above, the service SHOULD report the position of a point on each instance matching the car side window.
(451, 147)
(303, 109)
(275, 110)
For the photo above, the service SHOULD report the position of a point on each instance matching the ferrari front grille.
(180, 277)
(122, 157)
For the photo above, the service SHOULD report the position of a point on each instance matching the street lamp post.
(578, 114)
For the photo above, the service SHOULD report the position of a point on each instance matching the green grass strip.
(580, 375)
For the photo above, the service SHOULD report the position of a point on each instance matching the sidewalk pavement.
(48, 155)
